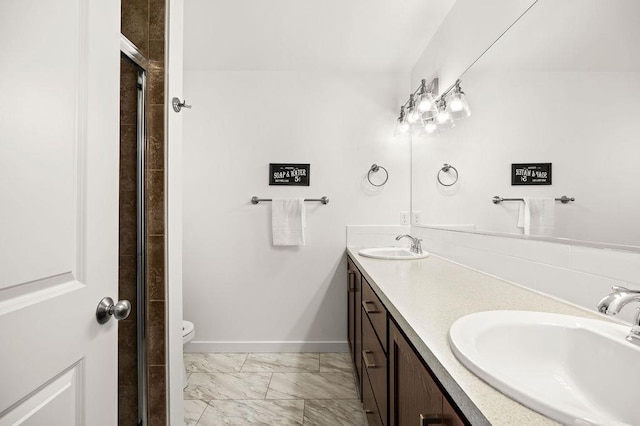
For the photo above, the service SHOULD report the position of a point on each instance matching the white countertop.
(427, 296)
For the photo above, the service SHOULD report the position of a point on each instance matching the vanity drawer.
(374, 364)
(369, 403)
(376, 312)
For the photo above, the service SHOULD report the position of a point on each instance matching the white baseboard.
(209, 346)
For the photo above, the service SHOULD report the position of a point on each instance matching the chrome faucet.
(415, 243)
(615, 301)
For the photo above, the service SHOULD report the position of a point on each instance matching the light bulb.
(456, 104)
(413, 116)
(430, 127)
(403, 127)
(443, 117)
(424, 104)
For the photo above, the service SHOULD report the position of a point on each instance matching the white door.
(59, 84)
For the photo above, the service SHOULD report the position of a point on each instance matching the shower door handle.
(107, 309)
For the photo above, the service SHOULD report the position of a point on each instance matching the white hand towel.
(288, 222)
(537, 216)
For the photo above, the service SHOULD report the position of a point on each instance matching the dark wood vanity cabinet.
(354, 299)
(396, 387)
(414, 396)
(374, 352)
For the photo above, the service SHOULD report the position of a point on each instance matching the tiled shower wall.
(143, 23)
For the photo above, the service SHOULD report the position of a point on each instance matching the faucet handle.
(619, 288)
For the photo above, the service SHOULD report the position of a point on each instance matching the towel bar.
(564, 199)
(256, 200)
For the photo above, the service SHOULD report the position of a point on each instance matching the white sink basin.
(391, 253)
(574, 370)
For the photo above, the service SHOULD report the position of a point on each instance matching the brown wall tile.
(155, 137)
(156, 19)
(128, 223)
(128, 157)
(157, 396)
(127, 349)
(127, 284)
(155, 86)
(156, 333)
(155, 268)
(156, 53)
(155, 202)
(128, 92)
(128, 406)
(134, 23)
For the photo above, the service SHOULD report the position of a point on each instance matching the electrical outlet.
(404, 218)
(417, 218)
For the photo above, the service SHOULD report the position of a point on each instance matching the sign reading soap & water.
(531, 174)
(289, 174)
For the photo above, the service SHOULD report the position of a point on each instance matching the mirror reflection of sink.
(577, 371)
(391, 253)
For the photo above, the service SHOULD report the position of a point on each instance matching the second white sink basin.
(577, 371)
(391, 253)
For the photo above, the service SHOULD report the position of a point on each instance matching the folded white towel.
(537, 216)
(288, 222)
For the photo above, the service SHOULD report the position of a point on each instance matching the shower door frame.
(129, 51)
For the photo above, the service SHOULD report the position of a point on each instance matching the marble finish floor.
(271, 389)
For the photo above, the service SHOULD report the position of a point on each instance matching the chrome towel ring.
(445, 169)
(374, 169)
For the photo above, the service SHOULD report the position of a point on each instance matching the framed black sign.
(289, 174)
(531, 174)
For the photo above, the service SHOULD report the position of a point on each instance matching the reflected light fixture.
(426, 101)
(457, 103)
(444, 119)
(430, 127)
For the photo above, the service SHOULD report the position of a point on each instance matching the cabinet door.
(414, 398)
(351, 324)
(354, 299)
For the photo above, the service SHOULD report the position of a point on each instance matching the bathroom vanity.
(400, 312)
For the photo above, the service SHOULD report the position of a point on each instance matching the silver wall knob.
(107, 309)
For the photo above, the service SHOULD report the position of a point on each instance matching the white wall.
(241, 292)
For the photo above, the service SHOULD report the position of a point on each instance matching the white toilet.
(188, 333)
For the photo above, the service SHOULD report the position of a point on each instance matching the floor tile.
(334, 412)
(337, 385)
(336, 362)
(282, 362)
(209, 386)
(193, 409)
(214, 362)
(274, 412)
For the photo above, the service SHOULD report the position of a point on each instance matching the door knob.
(106, 309)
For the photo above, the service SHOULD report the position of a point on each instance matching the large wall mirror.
(561, 86)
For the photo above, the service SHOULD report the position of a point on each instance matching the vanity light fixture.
(402, 126)
(413, 115)
(425, 114)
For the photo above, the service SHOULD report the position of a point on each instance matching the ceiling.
(309, 35)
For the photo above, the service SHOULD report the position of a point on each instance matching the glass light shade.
(444, 119)
(457, 105)
(402, 128)
(430, 128)
(414, 116)
(427, 105)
